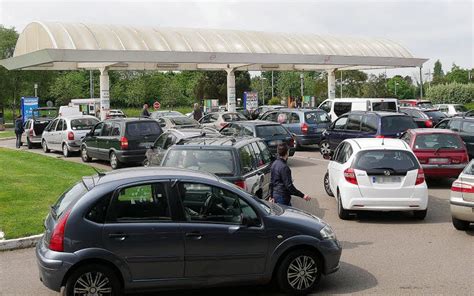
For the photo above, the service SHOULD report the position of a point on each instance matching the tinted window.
(266, 154)
(183, 120)
(143, 128)
(264, 131)
(369, 124)
(98, 129)
(340, 123)
(435, 141)
(326, 106)
(316, 117)
(83, 123)
(107, 129)
(258, 155)
(468, 127)
(99, 211)
(219, 162)
(342, 108)
(271, 117)
(455, 125)
(354, 122)
(247, 159)
(160, 142)
(435, 114)
(59, 127)
(294, 118)
(397, 160)
(115, 130)
(339, 152)
(397, 124)
(443, 124)
(384, 106)
(141, 202)
(68, 198)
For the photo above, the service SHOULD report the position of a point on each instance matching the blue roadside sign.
(27, 106)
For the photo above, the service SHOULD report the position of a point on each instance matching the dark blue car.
(360, 124)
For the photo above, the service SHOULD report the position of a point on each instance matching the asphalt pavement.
(383, 253)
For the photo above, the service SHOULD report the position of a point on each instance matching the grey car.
(164, 228)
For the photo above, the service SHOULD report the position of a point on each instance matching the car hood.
(293, 215)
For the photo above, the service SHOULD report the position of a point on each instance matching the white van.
(337, 107)
(69, 111)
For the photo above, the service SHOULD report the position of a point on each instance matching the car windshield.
(397, 160)
(424, 105)
(271, 131)
(219, 162)
(384, 106)
(83, 123)
(460, 108)
(437, 141)
(68, 198)
(316, 117)
(397, 124)
(143, 128)
(183, 120)
(229, 117)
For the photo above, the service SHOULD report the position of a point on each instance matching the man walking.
(281, 186)
(197, 113)
(18, 130)
(145, 112)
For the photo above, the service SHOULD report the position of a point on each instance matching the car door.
(49, 131)
(335, 134)
(263, 169)
(91, 140)
(141, 228)
(57, 136)
(156, 153)
(104, 141)
(444, 124)
(26, 128)
(353, 126)
(218, 242)
(369, 126)
(248, 167)
(335, 166)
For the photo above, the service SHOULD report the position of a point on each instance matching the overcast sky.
(429, 29)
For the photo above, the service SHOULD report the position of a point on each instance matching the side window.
(230, 130)
(406, 137)
(369, 124)
(339, 152)
(455, 125)
(342, 108)
(407, 112)
(64, 125)
(206, 203)
(258, 155)
(443, 124)
(59, 127)
(162, 122)
(282, 117)
(115, 130)
(99, 211)
(468, 127)
(160, 142)
(106, 130)
(266, 154)
(326, 106)
(347, 153)
(170, 140)
(294, 118)
(213, 117)
(205, 119)
(52, 125)
(353, 123)
(246, 131)
(98, 129)
(340, 123)
(247, 159)
(142, 202)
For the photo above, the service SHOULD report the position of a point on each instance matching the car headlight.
(327, 233)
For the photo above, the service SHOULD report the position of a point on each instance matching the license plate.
(146, 144)
(274, 143)
(439, 160)
(386, 179)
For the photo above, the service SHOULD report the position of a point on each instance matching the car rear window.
(435, 141)
(83, 123)
(68, 198)
(183, 121)
(468, 127)
(424, 105)
(342, 108)
(143, 128)
(229, 117)
(271, 131)
(435, 114)
(460, 108)
(397, 124)
(219, 162)
(397, 160)
(316, 117)
(384, 106)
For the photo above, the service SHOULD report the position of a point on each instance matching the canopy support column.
(104, 93)
(231, 107)
(331, 84)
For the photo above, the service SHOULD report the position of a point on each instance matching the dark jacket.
(19, 126)
(197, 114)
(145, 113)
(281, 184)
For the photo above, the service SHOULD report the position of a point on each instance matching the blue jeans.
(283, 200)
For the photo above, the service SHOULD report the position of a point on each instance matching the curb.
(19, 243)
(7, 138)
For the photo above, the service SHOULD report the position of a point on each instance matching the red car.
(423, 104)
(441, 152)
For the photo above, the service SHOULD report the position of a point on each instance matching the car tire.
(86, 277)
(341, 212)
(420, 215)
(65, 150)
(327, 185)
(324, 148)
(146, 163)
(294, 269)
(114, 161)
(28, 143)
(84, 156)
(460, 224)
(45, 146)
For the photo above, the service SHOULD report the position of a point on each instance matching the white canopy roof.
(69, 46)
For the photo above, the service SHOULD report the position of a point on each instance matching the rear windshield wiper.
(443, 147)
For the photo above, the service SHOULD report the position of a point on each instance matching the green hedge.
(455, 93)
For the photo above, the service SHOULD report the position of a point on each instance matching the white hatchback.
(462, 198)
(376, 175)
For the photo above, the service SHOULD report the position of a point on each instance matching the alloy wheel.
(113, 160)
(93, 284)
(301, 273)
(65, 150)
(325, 149)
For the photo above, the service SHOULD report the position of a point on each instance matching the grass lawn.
(29, 185)
(7, 134)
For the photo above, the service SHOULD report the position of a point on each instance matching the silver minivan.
(65, 133)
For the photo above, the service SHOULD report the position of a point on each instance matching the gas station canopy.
(71, 46)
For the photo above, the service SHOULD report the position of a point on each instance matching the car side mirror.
(246, 221)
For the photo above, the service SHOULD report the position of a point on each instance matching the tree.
(438, 74)
(401, 88)
(70, 85)
(457, 74)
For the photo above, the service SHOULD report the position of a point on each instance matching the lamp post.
(36, 89)
(272, 86)
(302, 86)
(263, 89)
(396, 83)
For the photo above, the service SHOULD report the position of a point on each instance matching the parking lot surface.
(383, 253)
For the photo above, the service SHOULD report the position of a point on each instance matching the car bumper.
(462, 209)
(331, 250)
(450, 170)
(34, 139)
(74, 145)
(133, 156)
(313, 139)
(273, 150)
(52, 266)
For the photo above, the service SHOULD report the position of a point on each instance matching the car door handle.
(118, 236)
(194, 235)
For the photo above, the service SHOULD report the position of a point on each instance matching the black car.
(155, 153)
(424, 118)
(365, 124)
(465, 127)
(163, 228)
(272, 133)
(120, 141)
(244, 161)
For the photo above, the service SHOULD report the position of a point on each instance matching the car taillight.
(240, 183)
(350, 176)
(462, 187)
(429, 123)
(123, 143)
(56, 243)
(420, 177)
(70, 136)
(380, 136)
(304, 128)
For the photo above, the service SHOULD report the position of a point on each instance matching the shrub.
(274, 101)
(455, 93)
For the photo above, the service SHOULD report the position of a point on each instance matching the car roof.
(378, 113)
(432, 131)
(221, 141)
(375, 143)
(255, 122)
(129, 119)
(360, 99)
(300, 109)
(70, 117)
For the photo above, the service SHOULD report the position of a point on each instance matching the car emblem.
(386, 173)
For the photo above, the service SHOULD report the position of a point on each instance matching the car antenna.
(99, 173)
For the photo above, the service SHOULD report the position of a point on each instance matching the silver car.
(218, 120)
(177, 122)
(462, 198)
(65, 133)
